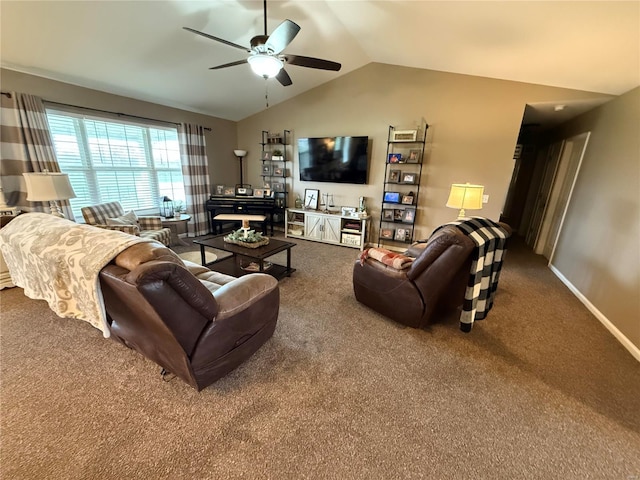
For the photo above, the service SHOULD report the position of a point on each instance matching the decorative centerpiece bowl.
(247, 238)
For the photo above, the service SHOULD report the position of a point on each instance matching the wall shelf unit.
(402, 177)
(275, 169)
(330, 228)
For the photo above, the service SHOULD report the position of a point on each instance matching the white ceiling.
(139, 49)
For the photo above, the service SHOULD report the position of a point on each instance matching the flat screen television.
(333, 159)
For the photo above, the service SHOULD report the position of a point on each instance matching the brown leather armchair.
(194, 323)
(435, 281)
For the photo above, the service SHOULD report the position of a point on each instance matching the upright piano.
(250, 205)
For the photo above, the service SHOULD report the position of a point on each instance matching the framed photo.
(387, 215)
(401, 235)
(404, 135)
(394, 176)
(311, 198)
(229, 191)
(267, 192)
(414, 156)
(266, 169)
(391, 197)
(244, 191)
(407, 199)
(277, 187)
(218, 190)
(266, 156)
(397, 214)
(258, 192)
(386, 233)
(409, 215)
(409, 178)
(394, 158)
(278, 171)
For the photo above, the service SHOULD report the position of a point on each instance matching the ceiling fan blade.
(284, 78)
(311, 62)
(232, 64)
(211, 37)
(282, 36)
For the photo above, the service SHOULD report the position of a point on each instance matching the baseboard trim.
(626, 343)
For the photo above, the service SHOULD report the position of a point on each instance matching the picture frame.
(278, 171)
(266, 170)
(414, 156)
(387, 233)
(258, 192)
(244, 191)
(229, 191)
(397, 214)
(265, 156)
(277, 186)
(409, 178)
(311, 196)
(407, 200)
(394, 176)
(387, 215)
(404, 135)
(219, 190)
(401, 235)
(267, 192)
(391, 197)
(394, 158)
(409, 215)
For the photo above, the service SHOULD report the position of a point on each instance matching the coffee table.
(245, 260)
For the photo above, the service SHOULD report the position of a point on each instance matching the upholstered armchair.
(412, 291)
(111, 216)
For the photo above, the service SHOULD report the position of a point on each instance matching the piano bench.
(221, 218)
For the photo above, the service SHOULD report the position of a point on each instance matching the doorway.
(558, 191)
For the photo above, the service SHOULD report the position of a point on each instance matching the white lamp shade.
(265, 65)
(44, 187)
(240, 153)
(465, 196)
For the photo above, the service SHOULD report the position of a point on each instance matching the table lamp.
(465, 196)
(49, 187)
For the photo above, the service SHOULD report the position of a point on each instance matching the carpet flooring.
(537, 390)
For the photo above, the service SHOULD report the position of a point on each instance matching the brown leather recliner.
(195, 323)
(435, 281)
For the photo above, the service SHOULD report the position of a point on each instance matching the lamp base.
(56, 211)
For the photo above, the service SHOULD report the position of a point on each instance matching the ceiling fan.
(266, 52)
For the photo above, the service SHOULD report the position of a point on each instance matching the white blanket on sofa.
(57, 260)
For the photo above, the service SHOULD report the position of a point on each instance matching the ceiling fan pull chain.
(266, 92)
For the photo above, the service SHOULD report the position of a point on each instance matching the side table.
(174, 224)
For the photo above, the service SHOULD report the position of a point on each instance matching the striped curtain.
(25, 146)
(195, 173)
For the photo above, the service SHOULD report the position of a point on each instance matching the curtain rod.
(117, 113)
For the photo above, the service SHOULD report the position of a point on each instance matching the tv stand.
(332, 228)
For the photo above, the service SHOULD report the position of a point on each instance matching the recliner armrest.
(240, 294)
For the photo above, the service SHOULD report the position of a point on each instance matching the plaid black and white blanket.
(490, 239)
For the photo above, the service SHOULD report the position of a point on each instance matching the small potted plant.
(277, 155)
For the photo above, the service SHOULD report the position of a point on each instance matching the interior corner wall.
(474, 125)
(598, 250)
(221, 140)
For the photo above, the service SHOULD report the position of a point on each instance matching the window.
(109, 160)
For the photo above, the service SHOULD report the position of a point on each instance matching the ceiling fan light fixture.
(265, 65)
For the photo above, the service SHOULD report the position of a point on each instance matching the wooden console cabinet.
(330, 228)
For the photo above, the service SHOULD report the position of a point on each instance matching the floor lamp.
(240, 154)
(49, 187)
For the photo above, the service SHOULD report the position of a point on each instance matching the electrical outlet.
(485, 198)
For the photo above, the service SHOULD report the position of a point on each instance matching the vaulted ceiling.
(139, 48)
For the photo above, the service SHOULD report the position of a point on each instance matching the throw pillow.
(387, 257)
(129, 218)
